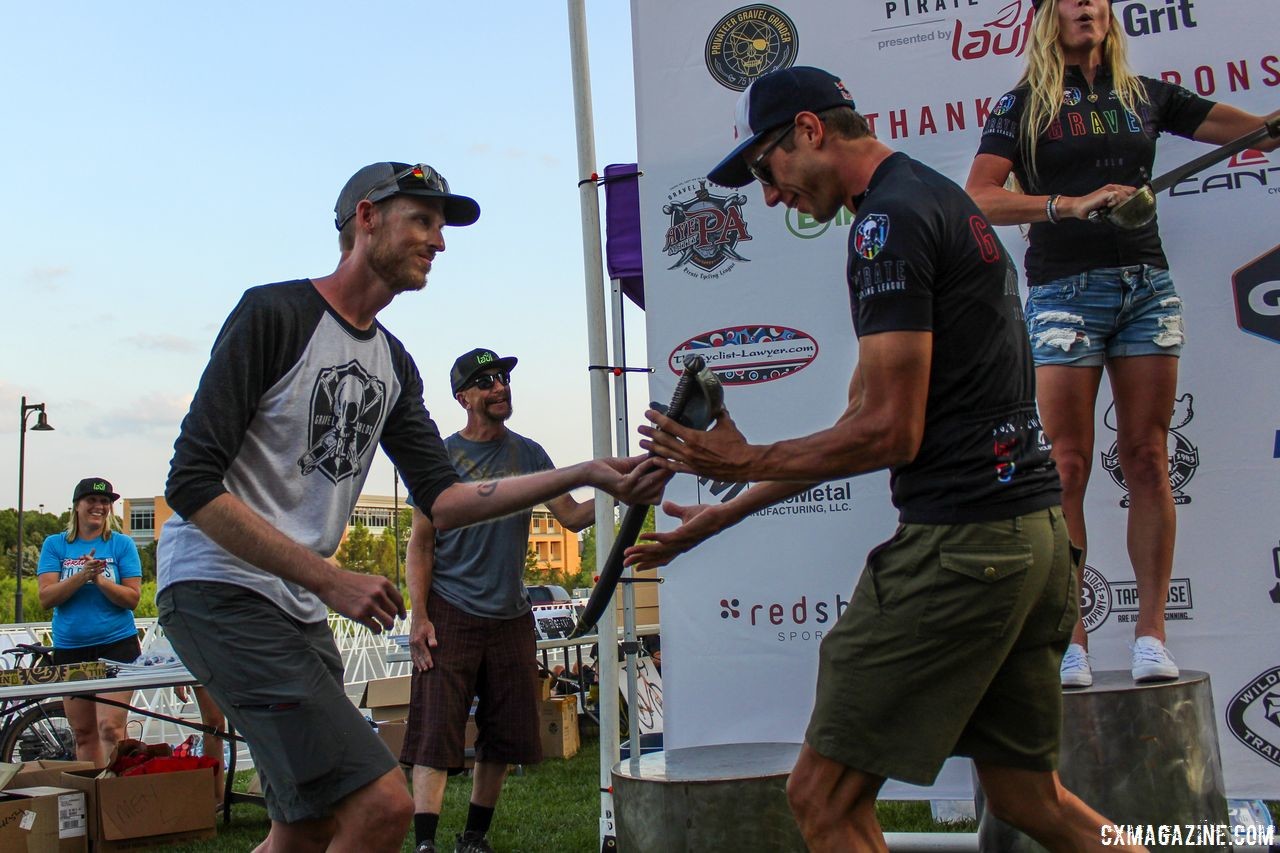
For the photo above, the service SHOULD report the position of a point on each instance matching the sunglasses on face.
(485, 380)
(757, 167)
(432, 179)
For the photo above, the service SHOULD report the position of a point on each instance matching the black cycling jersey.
(922, 257)
(1093, 142)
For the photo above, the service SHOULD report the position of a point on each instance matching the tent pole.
(593, 266)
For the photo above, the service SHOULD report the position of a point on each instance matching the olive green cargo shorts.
(951, 646)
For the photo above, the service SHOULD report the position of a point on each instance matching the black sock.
(424, 827)
(478, 819)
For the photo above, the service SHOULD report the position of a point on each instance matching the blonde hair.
(73, 524)
(1046, 73)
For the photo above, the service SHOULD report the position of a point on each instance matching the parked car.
(547, 594)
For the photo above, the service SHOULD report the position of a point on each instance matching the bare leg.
(374, 819)
(211, 715)
(1038, 804)
(82, 714)
(112, 722)
(1067, 397)
(428, 788)
(1144, 389)
(835, 805)
(486, 783)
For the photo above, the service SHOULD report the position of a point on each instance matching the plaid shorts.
(494, 659)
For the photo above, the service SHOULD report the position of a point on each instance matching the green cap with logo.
(94, 486)
(471, 363)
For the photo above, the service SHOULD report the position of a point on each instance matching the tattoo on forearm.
(484, 490)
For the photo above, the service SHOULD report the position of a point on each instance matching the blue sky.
(160, 158)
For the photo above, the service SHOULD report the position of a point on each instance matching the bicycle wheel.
(40, 732)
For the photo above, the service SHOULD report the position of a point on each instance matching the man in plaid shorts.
(472, 631)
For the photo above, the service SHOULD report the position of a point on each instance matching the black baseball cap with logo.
(471, 363)
(770, 102)
(379, 181)
(94, 486)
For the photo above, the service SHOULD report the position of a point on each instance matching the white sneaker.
(1152, 661)
(1075, 671)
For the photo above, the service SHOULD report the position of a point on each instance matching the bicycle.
(33, 730)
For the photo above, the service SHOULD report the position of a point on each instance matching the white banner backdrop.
(761, 292)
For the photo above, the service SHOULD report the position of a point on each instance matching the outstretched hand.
(721, 452)
(659, 549)
(637, 480)
(370, 600)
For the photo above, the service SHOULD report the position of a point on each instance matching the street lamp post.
(41, 425)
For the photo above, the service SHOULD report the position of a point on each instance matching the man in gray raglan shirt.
(302, 385)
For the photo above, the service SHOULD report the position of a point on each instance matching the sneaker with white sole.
(1075, 671)
(1152, 661)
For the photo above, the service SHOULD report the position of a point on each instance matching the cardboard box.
(43, 819)
(44, 773)
(126, 812)
(559, 727)
(392, 734)
(387, 698)
(544, 687)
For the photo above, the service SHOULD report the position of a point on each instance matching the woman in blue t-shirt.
(92, 579)
(1078, 134)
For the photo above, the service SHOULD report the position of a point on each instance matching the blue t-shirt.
(89, 618)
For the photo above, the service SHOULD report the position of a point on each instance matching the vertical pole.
(593, 265)
(395, 518)
(22, 458)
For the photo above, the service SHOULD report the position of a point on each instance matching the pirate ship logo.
(1184, 457)
(1253, 715)
(705, 230)
(347, 406)
(749, 42)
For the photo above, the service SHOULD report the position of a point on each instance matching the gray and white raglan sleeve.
(263, 337)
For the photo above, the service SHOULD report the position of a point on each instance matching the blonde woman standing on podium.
(1079, 134)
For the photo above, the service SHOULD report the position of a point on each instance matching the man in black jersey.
(302, 387)
(952, 639)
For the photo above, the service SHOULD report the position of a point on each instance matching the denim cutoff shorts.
(1101, 314)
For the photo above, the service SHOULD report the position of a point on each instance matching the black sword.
(633, 519)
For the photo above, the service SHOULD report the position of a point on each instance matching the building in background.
(554, 547)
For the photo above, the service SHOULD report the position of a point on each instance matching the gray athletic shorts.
(279, 681)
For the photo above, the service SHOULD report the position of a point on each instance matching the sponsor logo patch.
(870, 235)
(748, 42)
(1257, 296)
(1004, 104)
(746, 355)
(1253, 715)
(705, 229)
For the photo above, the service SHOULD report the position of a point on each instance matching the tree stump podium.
(725, 797)
(1138, 753)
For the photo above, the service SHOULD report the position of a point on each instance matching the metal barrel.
(724, 797)
(1141, 754)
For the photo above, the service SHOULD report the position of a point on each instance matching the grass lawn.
(552, 807)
